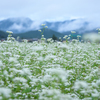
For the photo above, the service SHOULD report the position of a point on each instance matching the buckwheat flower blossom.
(42, 36)
(5, 72)
(56, 93)
(73, 32)
(25, 40)
(78, 36)
(13, 59)
(61, 73)
(98, 82)
(1, 63)
(26, 71)
(50, 57)
(65, 36)
(17, 71)
(79, 84)
(49, 39)
(7, 53)
(98, 29)
(9, 32)
(49, 92)
(63, 46)
(42, 24)
(39, 30)
(38, 48)
(95, 93)
(46, 26)
(40, 58)
(94, 84)
(47, 78)
(68, 38)
(23, 80)
(5, 91)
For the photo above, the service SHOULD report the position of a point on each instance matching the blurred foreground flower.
(98, 29)
(46, 26)
(9, 32)
(93, 37)
(73, 32)
(5, 92)
(42, 24)
(49, 39)
(39, 30)
(65, 36)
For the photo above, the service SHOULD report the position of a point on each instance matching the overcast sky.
(51, 10)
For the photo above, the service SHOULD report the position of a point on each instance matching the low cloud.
(92, 23)
(73, 25)
(35, 25)
(18, 27)
(85, 24)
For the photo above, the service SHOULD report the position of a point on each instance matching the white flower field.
(49, 71)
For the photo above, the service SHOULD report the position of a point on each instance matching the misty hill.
(3, 34)
(48, 33)
(21, 25)
(15, 24)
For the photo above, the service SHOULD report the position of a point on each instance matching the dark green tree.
(54, 37)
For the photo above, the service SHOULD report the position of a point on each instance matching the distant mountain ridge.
(3, 35)
(15, 24)
(48, 33)
(20, 25)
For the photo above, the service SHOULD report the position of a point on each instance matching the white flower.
(98, 82)
(49, 39)
(98, 29)
(39, 30)
(1, 63)
(26, 71)
(9, 35)
(5, 72)
(13, 59)
(42, 36)
(46, 26)
(38, 48)
(78, 36)
(92, 37)
(42, 24)
(25, 40)
(18, 38)
(61, 73)
(20, 79)
(9, 32)
(65, 36)
(73, 32)
(5, 91)
(68, 38)
(79, 84)
(95, 93)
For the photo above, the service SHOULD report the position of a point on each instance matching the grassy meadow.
(49, 71)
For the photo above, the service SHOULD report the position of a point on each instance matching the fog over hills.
(20, 25)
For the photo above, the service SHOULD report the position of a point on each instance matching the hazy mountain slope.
(36, 34)
(15, 24)
(20, 25)
(3, 34)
